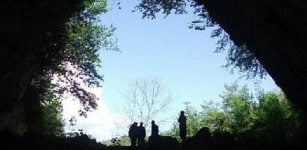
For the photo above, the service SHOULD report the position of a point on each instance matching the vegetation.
(242, 120)
(118, 141)
(239, 56)
(146, 99)
(247, 24)
(266, 117)
(55, 53)
(64, 63)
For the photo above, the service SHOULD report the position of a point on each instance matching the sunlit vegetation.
(63, 61)
(49, 50)
(264, 117)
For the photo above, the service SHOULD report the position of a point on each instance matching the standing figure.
(154, 129)
(133, 134)
(182, 126)
(141, 134)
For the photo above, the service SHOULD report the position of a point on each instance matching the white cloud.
(102, 123)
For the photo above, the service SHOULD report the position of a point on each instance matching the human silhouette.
(141, 134)
(182, 125)
(133, 134)
(154, 129)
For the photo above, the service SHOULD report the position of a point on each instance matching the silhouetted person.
(133, 134)
(141, 134)
(182, 125)
(154, 129)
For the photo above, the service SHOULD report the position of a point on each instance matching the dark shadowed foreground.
(202, 140)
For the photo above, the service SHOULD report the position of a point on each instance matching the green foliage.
(238, 106)
(193, 121)
(239, 56)
(275, 118)
(70, 52)
(61, 40)
(149, 8)
(118, 141)
(75, 63)
(95, 7)
(43, 111)
(267, 117)
(215, 119)
(80, 59)
(173, 131)
(52, 121)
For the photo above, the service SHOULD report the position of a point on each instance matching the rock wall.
(276, 32)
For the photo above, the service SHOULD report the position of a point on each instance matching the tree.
(43, 113)
(237, 104)
(118, 141)
(213, 117)
(261, 36)
(193, 119)
(146, 99)
(239, 56)
(193, 122)
(59, 39)
(276, 119)
(268, 118)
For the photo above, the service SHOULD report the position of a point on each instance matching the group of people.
(137, 134)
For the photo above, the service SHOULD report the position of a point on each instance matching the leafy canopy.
(73, 66)
(268, 116)
(63, 61)
(238, 56)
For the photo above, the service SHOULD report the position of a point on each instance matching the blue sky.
(167, 49)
